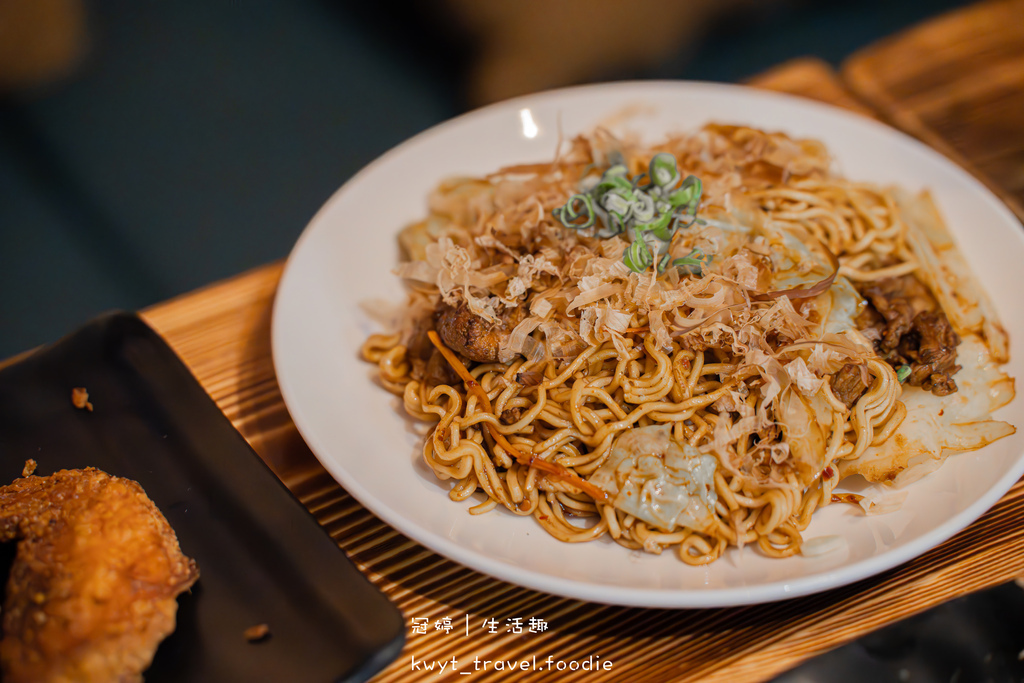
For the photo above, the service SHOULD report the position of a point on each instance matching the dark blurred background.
(148, 148)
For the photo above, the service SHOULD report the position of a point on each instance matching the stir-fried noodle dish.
(687, 346)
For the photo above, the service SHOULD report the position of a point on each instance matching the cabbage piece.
(414, 239)
(877, 499)
(652, 477)
(804, 435)
(822, 545)
(845, 305)
(795, 263)
(936, 426)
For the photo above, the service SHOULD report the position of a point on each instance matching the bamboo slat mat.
(223, 334)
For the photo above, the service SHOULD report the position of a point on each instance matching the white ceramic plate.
(344, 259)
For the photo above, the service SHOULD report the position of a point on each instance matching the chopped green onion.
(681, 220)
(616, 226)
(638, 257)
(620, 171)
(617, 203)
(644, 205)
(663, 262)
(663, 171)
(902, 373)
(610, 182)
(693, 263)
(660, 228)
(688, 194)
(578, 207)
(642, 180)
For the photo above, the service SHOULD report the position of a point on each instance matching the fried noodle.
(534, 349)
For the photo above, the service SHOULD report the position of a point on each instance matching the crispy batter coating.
(474, 337)
(93, 588)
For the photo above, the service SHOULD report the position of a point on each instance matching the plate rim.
(634, 596)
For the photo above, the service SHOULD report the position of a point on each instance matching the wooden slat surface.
(222, 333)
(811, 78)
(956, 82)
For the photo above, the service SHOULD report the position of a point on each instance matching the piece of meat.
(93, 587)
(511, 416)
(474, 337)
(915, 332)
(848, 384)
(932, 352)
(898, 300)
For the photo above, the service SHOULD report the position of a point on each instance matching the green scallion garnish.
(638, 257)
(902, 373)
(688, 195)
(578, 212)
(648, 208)
(693, 263)
(663, 170)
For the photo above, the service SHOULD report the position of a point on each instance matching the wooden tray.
(957, 83)
(222, 333)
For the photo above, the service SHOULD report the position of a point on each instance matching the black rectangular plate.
(262, 557)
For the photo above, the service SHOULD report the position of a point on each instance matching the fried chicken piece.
(474, 337)
(93, 587)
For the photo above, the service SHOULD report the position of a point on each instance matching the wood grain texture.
(812, 78)
(957, 83)
(223, 334)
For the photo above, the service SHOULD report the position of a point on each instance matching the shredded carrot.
(851, 498)
(552, 469)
